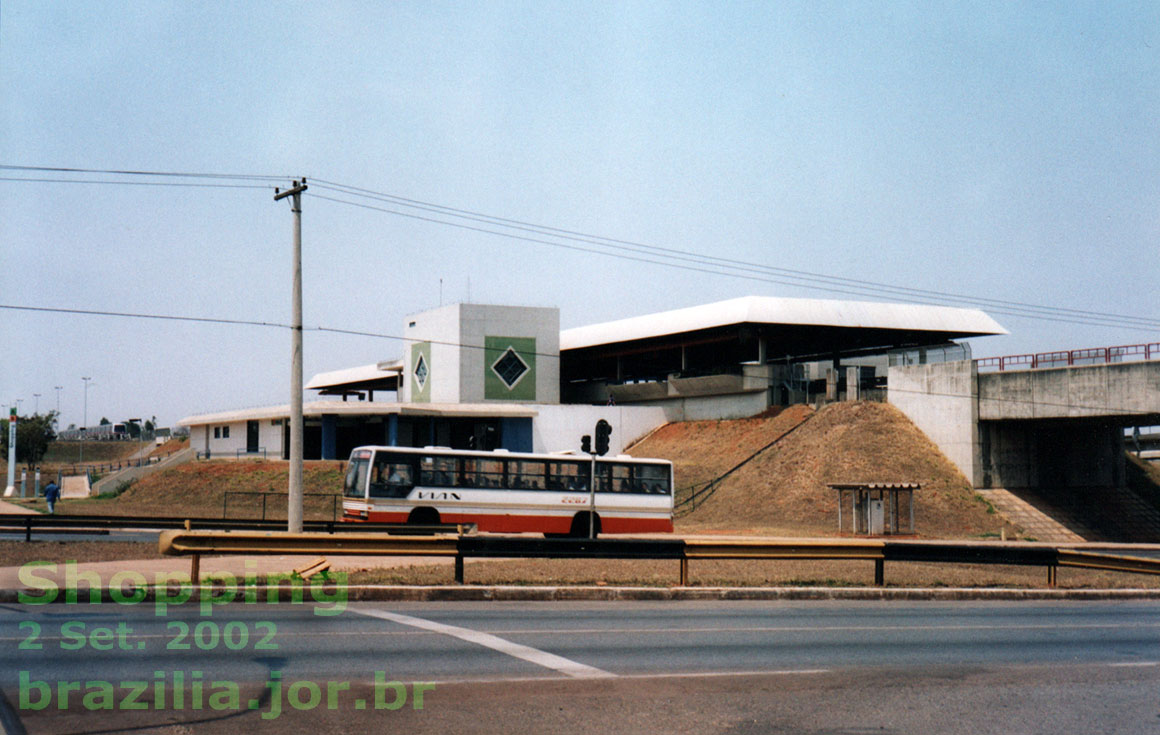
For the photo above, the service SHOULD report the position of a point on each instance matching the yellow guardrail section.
(185, 543)
(795, 549)
(1109, 562)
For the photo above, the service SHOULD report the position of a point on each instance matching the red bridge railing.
(1089, 356)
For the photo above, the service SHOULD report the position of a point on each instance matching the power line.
(729, 262)
(618, 248)
(141, 183)
(131, 315)
(1065, 316)
(132, 172)
(379, 335)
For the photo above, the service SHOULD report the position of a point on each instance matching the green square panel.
(509, 368)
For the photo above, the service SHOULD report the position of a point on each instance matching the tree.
(105, 421)
(33, 435)
(134, 429)
(149, 426)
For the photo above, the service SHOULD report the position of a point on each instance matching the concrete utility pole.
(294, 511)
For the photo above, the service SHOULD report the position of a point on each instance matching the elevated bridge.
(1052, 431)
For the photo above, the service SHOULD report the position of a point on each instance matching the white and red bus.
(508, 492)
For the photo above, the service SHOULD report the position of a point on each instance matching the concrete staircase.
(1071, 515)
(1051, 526)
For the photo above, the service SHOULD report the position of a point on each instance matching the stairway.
(1043, 524)
(1068, 515)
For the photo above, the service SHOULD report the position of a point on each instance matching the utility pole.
(58, 389)
(294, 511)
(36, 410)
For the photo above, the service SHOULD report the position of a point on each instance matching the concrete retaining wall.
(941, 400)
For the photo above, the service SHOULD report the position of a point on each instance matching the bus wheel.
(580, 526)
(423, 517)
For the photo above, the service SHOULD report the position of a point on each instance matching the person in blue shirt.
(51, 495)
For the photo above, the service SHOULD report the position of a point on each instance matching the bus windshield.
(355, 484)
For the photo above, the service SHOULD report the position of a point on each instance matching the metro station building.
(488, 376)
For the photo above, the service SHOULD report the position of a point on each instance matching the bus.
(508, 492)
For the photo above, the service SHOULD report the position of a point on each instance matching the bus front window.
(355, 483)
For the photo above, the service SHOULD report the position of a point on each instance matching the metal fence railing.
(1071, 358)
(311, 502)
(105, 468)
(696, 495)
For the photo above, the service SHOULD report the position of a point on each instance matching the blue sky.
(999, 150)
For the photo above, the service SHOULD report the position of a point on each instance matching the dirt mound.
(199, 489)
(703, 450)
(784, 490)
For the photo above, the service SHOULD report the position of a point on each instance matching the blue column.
(393, 430)
(515, 434)
(329, 436)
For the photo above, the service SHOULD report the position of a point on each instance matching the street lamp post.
(85, 425)
(36, 409)
(58, 389)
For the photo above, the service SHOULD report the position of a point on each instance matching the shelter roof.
(315, 409)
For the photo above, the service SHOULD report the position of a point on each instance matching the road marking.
(527, 653)
(1128, 664)
(664, 675)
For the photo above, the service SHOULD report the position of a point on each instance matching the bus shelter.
(876, 509)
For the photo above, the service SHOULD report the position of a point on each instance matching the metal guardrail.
(1067, 358)
(50, 524)
(196, 543)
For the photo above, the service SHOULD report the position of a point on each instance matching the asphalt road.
(713, 667)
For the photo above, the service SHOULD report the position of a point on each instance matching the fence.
(1070, 358)
(308, 500)
(107, 467)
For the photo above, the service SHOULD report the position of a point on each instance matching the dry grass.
(733, 573)
(198, 489)
(784, 490)
(16, 553)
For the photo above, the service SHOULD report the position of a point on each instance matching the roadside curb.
(511, 593)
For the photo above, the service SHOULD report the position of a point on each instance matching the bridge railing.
(1070, 358)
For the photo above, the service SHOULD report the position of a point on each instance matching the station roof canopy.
(379, 376)
(791, 327)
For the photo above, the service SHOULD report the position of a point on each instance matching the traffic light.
(603, 431)
(586, 444)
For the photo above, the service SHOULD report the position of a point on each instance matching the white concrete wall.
(559, 427)
(227, 447)
(942, 401)
(457, 372)
(202, 439)
(478, 321)
(707, 408)
(441, 328)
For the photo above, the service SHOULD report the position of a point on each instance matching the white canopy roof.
(773, 310)
(360, 374)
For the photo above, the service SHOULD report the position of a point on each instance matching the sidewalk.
(12, 509)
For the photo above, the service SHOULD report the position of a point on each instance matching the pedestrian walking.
(51, 495)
